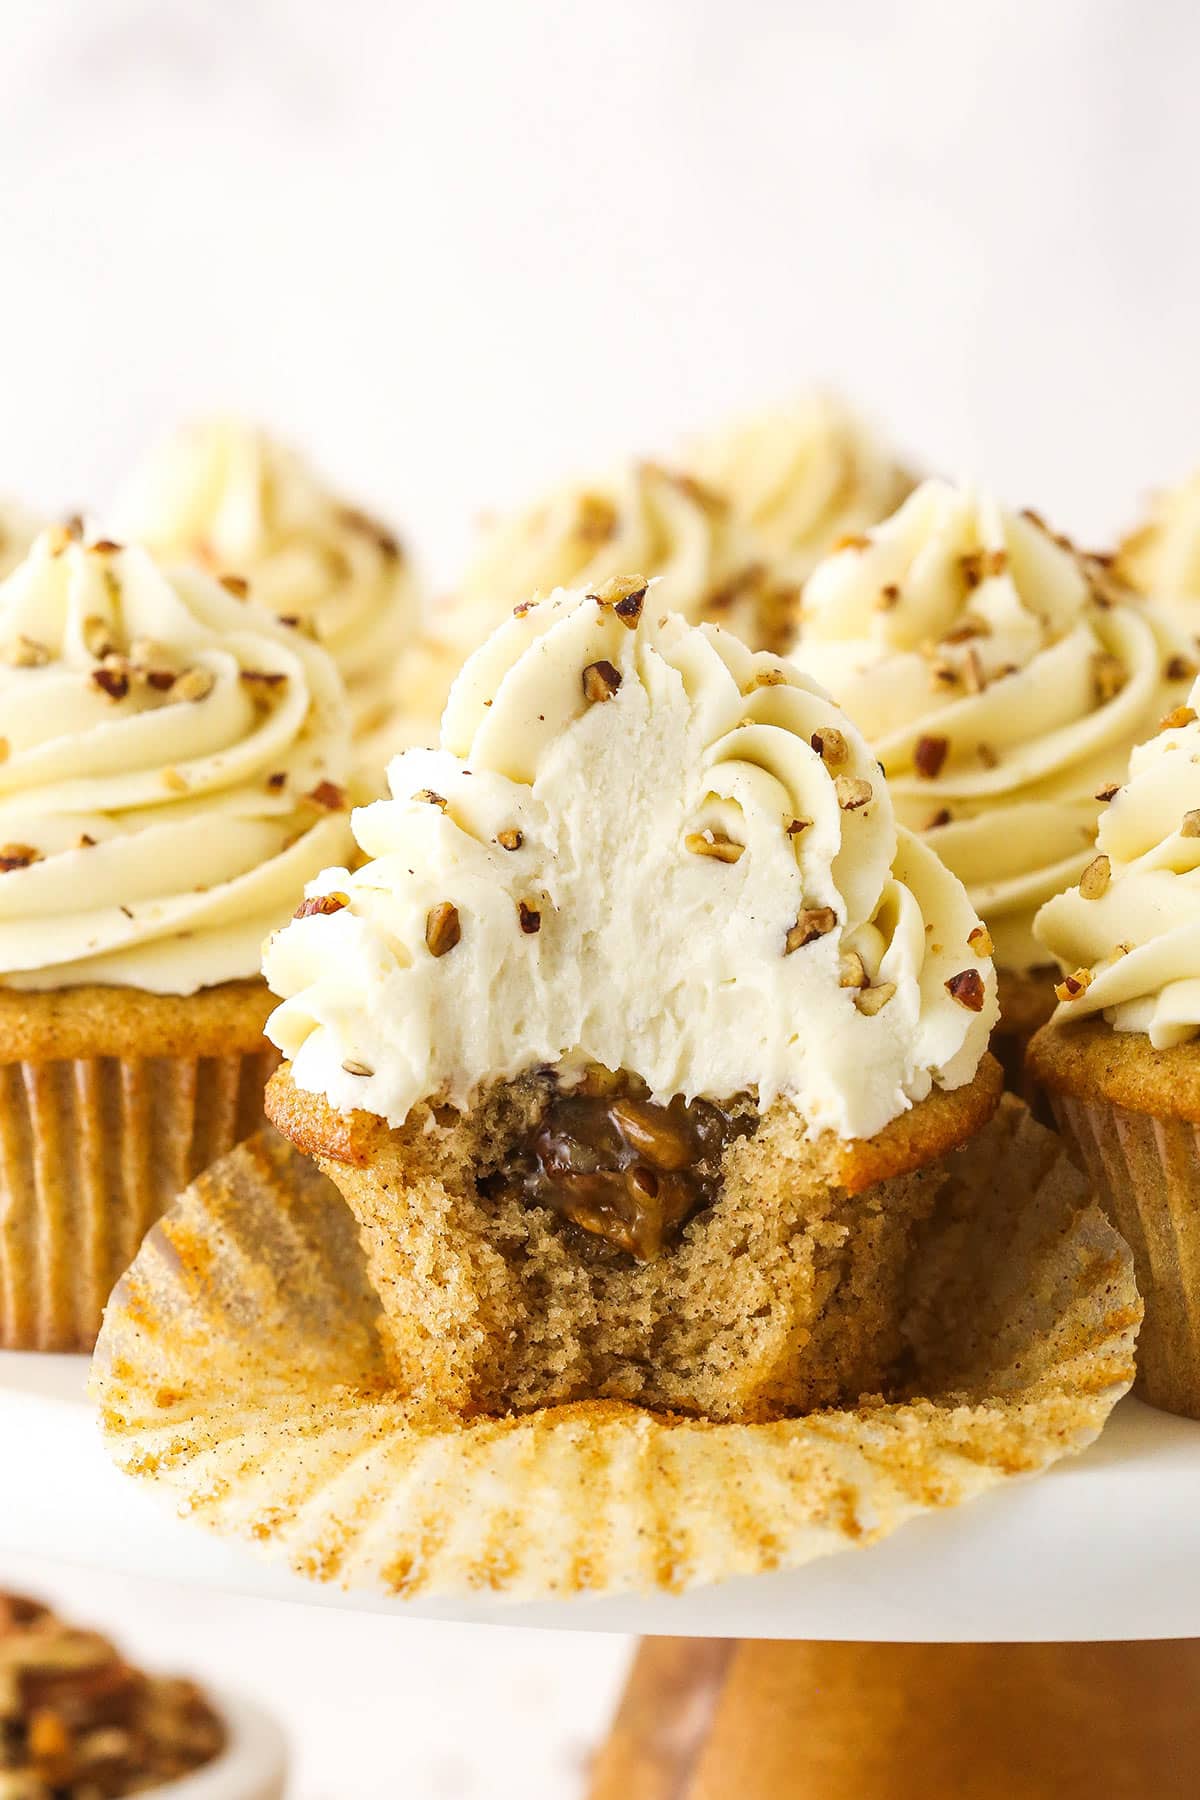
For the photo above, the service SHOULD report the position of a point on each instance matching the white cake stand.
(1106, 1546)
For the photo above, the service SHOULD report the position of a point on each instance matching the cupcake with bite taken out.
(644, 1038)
(173, 771)
(1002, 679)
(1120, 1060)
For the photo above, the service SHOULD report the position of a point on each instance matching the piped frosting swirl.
(1001, 679)
(643, 846)
(172, 771)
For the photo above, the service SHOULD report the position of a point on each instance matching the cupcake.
(1120, 1060)
(1162, 556)
(172, 773)
(803, 475)
(234, 500)
(1002, 679)
(642, 1042)
(642, 516)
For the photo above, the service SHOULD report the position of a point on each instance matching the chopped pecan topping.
(277, 780)
(264, 679)
(1095, 878)
(97, 637)
(105, 547)
(996, 562)
(1109, 791)
(442, 928)
(1108, 675)
(1190, 826)
(353, 1067)
(600, 681)
(715, 844)
(987, 756)
(385, 541)
(510, 839)
(529, 916)
(851, 540)
(873, 999)
(432, 799)
(974, 679)
(970, 627)
(626, 595)
(852, 792)
(193, 684)
(813, 922)
(321, 904)
(971, 564)
(794, 827)
(830, 746)
(1176, 718)
(967, 988)
(1072, 986)
(851, 970)
(113, 682)
(766, 678)
(161, 680)
(328, 795)
(1179, 668)
(237, 585)
(936, 819)
(17, 856)
(980, 941)
(27, 653)
(929, 755)
(888, 596)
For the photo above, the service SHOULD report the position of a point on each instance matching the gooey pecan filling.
(621, 1166)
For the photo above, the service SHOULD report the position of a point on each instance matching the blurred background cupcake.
(18, 528)
(1120, 1061)
(233, 499)
(1162, 556)
(1002, 682)
(173, 770)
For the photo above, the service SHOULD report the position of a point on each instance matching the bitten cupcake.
(642, 1042)
(172, 773)
(708, 563)
(1162, 556)
(1002, 680)
(233, 499)
(1120, 1060)
(803, 475)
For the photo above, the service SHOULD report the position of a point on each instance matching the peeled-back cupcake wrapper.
(92, 1150)
(1147, 1172)
(240, 1372)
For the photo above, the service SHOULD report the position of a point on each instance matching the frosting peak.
(1128, 935)
(1000, 679)
(643, 846)
(171, 771)
(236, 501)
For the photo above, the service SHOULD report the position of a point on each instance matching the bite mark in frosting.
(703, 975)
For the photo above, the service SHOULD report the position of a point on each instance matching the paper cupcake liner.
(240, 1372)
(92, 1151)
(1147, 1172)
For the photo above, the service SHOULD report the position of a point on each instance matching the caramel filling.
(623, 1167)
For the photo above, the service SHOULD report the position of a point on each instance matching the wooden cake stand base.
(706, 1719)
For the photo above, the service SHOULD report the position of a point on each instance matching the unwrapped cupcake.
(172, 772)
(236, 501)
(1002, 680)
(1120, 1060)
(641, 1042)
(803, 475)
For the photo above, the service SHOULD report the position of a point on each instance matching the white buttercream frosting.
(708, 853)
(803, 474)
(1132, 926)
(1162, 557)
(233, 499)
(171, 772)
(18, 528)
(1000, 680)
(640, 516)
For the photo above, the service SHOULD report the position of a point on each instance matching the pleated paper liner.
(239, 1372)
(1147, 1171)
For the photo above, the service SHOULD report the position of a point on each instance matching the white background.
(459, 248)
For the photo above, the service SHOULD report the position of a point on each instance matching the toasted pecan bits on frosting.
(701, 879)
(133, 736)
(252, 511)
(1127, 937)
(707, 560)
(600, 681)
(806, 476)
(967, 988)
(1005, 681)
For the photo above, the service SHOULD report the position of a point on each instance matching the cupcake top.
(1128, 934)
(803, 475)
(234, 500)
(171, 771)
(1000, 679)
(1162, 557)
(644, 847)
(642, 517)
